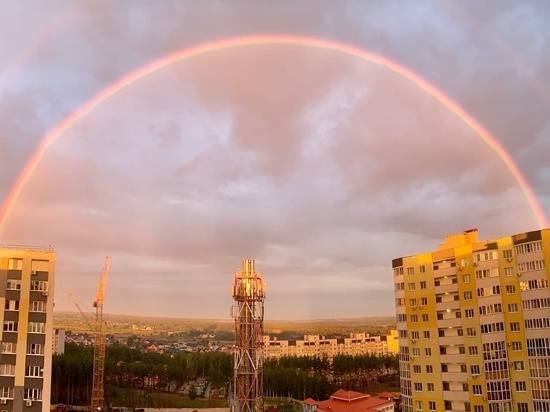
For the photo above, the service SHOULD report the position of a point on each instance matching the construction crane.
(99, 339)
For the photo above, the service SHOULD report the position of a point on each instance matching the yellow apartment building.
(315, 345)
(26, 291)
(473, 319)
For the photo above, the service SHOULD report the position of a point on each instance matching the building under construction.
(249, 295)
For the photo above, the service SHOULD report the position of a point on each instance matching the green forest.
(138, 379)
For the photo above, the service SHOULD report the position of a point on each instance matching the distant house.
(349, 401)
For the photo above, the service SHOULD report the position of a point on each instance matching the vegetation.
(138, 379)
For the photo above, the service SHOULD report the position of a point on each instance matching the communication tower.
(249, 295)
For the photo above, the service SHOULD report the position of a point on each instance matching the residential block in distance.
(26, 291)
(315, 345)
(474, 324)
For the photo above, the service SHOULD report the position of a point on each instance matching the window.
(6, 392)
(426, 334)
(411, 286)
(422, 269)
(419, 405)
(12, 305)
(424, 301)
(8, 347)
(466, 278)
(523, 407)
(461, 350)
(512, 307)
(7, 370)
(13, 284)
(472, 350)
(474, 369)
(414, 318)
(415, 334)
(510, 289)
(518, 366)
(477, 390)
(465, 387)
(516, 346)
(37, 327)
(10, 326)
(39, 285)
(34, 371)
(463, 368)
(509, 271)
(38, 306)
(507, 254)
(469, 313)
(428, 351)
(471, 332)
(514, 326)
(417, 369)
(431, 387)
(467, 295)
(431, 405)
(412, 302)
(418, 387)
(410, 271)
(35, 349)
(416, 352)
(467, 406)
(529, 247)
(32, 394)
(429, 369)
(478, 408)
(15, 264)
(446, 386)
(521, 386)
(424, 317)
(423, 284)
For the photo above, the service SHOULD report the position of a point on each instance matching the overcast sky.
(320, 166)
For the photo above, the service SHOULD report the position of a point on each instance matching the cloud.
(321, 167)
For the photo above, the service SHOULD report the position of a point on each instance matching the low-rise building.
(349, 401)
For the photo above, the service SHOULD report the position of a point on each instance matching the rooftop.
(29, 248)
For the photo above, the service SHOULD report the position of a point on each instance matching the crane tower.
(249, 295)
(99, 341)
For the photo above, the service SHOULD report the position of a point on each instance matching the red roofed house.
(349, 401)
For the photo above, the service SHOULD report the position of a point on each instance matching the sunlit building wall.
(474, 324)
(26, 289)
(58, 343)
(315, 345)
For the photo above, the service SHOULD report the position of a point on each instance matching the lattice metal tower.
(249, 295)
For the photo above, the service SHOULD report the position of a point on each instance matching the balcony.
(448, 288)
(452, 304)
(456, 396)
(453, 358)
(451, 340)
(454, 376)
(451, 322)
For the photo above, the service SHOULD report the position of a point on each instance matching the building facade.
(474, 324)
(26, 288)
(315, 345)
(58, 344)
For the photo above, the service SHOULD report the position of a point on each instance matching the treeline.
(127, 369)
(317, 378)
(131, 368)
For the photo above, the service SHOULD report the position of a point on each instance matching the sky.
(320, 166)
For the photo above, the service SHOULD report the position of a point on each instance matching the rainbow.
(268, 40)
